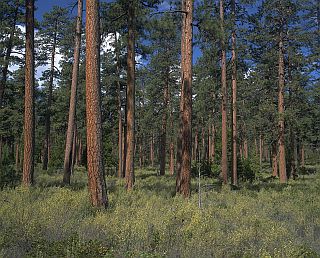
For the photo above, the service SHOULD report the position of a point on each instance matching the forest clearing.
(262, 219)
(159, 128)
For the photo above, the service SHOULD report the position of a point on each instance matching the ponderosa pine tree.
(184, 175)
(68, 159)
(29, 116)
(234, 96)
(130, 136)
(224, 158)
(50, 33)
(96, 180)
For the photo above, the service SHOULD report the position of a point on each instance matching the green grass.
(263, 219)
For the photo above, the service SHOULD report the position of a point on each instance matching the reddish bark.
(67, 167)
(224, 158)
(29, 119)
(130, 178)
(96, 182)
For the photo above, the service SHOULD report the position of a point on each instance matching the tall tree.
(51, 32)
(184, 176)
(130, 137)
(73, 98)
(224, 158)
(97, 185)
(282, 157)
(29, 120)
(234, 96)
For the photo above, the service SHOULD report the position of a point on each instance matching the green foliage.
(150, 222)
(247, 169)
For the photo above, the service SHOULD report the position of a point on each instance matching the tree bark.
(130, 178)
(96, 182)
(163, 136)
(224, 158)
(120, 140)
(234, 97)
(213, 146)
(186, 98)
(29, 114)
(274, 159)
(260, 150)
(282, 158)
(73, 99)
(152, 150)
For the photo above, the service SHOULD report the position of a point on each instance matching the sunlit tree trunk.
(96, 182)
(130, 96)
(73, 99)
(224, 158)
(282, 158)
(29, 116)
(183, 186)
(234, 97)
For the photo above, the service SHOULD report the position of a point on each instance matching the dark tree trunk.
(234, 97)
(274, 154)
(29, 120)
(183, 186)
(120, 140)
(224, 158)
(73, 99)
(282, 158)
(152, 150)
(96, 182)
(130, 178)
(163, 136)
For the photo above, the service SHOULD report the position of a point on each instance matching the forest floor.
(262, 219)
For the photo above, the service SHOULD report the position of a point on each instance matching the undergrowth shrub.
(150, 222)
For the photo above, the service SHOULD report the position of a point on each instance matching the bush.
(9, 176)
(246, 170)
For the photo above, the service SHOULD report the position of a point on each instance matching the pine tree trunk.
(260, 150)
(96, 182)
(47, 143)
(163, 136)
(183, 186)
(179, 138)
(124, 164)
(234, 98)
(224, 158)
(213, 146)
(130, 97)
(302, 156)
(152, 150)
(195, 147)
(29, 119)
(274, 159)
(245, 149)
(17, 156)
(171, 163)
(73, 153)
(73, 99)
(120, 161)
(1, 145)
(282, 158)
